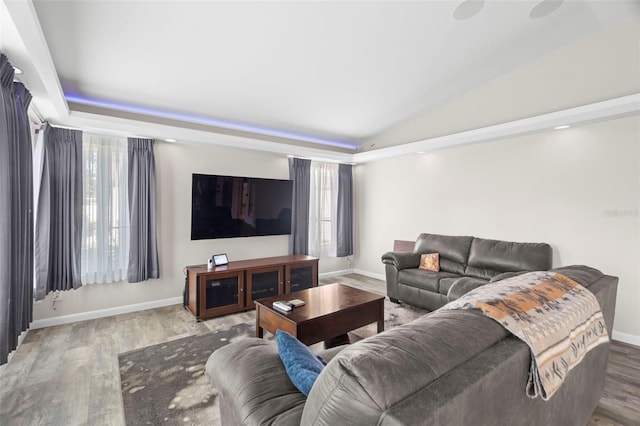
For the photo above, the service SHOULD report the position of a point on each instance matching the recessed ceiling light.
(468, 9)
(170, 140)
(564, 126)
(422, 152)
(544, 8)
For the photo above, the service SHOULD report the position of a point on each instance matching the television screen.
(230, 206)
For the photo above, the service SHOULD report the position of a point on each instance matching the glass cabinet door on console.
(263, 282)
(221, 293)
(300, 276)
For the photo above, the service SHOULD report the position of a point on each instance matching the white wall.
(175, 162)
(597, 67)
(576, 189)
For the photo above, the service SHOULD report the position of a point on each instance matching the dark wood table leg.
(381, 320)
(259, 330)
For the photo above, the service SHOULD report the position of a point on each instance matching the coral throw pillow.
(430, 262)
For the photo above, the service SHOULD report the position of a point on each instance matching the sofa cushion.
(482, 273)
(426, 280)
(430, 262)
(453, 250)
(447, 265)
(377, 373)
(302, 365)
(489, 257)
(420, 298)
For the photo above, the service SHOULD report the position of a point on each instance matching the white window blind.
(105, 221)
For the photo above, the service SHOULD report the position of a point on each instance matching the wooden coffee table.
(329, 311)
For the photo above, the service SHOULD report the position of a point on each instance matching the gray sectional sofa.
(465, 263)
(445, 368)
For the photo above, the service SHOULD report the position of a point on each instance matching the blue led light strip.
(200, 119)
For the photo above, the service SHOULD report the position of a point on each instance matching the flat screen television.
(232, 206)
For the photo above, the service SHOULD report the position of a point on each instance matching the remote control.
(282, 305)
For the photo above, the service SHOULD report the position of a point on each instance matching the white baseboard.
(101, 313)
(335, 273)
(380, 277)
(631, 339)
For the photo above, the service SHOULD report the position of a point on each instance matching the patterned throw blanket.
(558, 318)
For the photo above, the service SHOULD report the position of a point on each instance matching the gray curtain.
(143, 246)
(345, 210)
(300, 173)
(16, 211)
(59, 221)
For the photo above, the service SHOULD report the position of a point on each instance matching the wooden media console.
(233, 287)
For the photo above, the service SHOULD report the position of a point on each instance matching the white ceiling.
(337, 71)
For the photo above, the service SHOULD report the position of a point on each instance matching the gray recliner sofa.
(445, 368)
(465, 263)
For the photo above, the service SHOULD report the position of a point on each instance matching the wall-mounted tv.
(231, 206)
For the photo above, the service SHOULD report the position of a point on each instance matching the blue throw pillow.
(302, 365)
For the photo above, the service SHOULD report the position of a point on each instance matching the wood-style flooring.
(620, 401)
(68, 375)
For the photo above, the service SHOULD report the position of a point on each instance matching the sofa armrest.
(395, 262)
(463, 286)
(251, 378)
(401, 260)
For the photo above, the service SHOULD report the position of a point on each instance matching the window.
(323, 207)
(105, 222)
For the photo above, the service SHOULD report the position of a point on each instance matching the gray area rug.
(165, 383)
